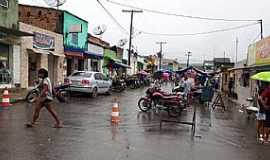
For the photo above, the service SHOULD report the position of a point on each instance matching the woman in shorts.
(45, 99)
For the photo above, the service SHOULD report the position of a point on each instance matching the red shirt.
(266, 94)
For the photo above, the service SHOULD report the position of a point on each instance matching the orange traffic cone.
(5, 99)
(115, 116)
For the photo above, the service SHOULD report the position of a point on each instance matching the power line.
(198, 33)
(180, 15)
(112, 17)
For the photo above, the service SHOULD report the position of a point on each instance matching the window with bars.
(74, 38)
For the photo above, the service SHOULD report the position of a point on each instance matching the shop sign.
(42, 41)
(263, 51)
(95, 49)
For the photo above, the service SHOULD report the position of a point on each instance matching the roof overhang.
(13, 32)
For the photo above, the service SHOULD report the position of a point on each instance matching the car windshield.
(81, 74)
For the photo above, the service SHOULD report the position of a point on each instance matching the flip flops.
(29, 125)
(58, 125)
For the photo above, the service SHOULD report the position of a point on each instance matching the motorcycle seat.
(170, 97)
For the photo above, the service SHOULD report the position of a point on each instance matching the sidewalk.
(243, 93)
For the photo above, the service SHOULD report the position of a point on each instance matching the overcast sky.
(201, 46)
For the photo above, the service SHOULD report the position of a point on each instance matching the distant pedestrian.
(187, 85)
(231, 84)
(45, 99)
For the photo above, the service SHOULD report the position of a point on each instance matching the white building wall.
(16, 64)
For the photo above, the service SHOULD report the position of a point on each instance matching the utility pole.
(236, 50)
(160, 52)
(224, 56)
(261, 25)
(131, 30)
(188, 55)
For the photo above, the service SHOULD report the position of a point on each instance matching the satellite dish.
(122, 42)
(55, 3)
(99, 30)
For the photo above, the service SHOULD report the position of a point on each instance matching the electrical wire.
(180, 15)
(112, 17)
(199, 33)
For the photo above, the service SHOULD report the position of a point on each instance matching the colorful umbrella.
(143, 73)
(262, 76)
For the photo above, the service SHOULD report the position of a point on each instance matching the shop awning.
(38, 51)
(121, 65)
(43, 51)
(57, 54)
(112, 59)
(74, 54)
(93, 55)
(14, 32)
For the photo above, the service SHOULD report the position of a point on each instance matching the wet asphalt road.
(88, 134)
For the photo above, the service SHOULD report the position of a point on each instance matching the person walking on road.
(45, 100)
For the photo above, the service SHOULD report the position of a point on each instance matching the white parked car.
(89, 82)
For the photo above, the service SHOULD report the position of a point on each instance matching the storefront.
(5, 75)
(94, 58)
(258, 60)
(112, 65)
(10, 57)
(10, 45)
(43, 50)
(74, 60)
(75, 32)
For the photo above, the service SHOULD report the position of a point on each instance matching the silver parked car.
(89, 82)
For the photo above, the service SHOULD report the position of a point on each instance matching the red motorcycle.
(160, 100)
(146, 103)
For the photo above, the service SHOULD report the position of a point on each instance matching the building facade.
(75, 32)
(95, 53)
(170, 64)
(73, 29)
(43, 50)
(10, 45)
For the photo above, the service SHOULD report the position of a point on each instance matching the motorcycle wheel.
(63, 96)
(144, 105)
(132, 86)
(32, 96)
(174, 112)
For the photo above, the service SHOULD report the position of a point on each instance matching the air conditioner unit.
(4, 3)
